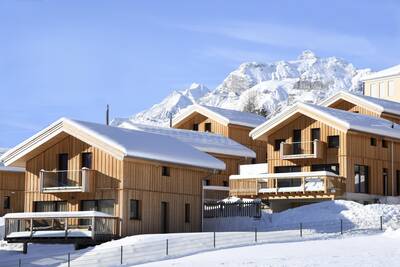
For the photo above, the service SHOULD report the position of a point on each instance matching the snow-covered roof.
(225, 116)
(118, 142)
(8, 168)
(285, 175)
(203, 141)
(56, 214)
(343, 120)
(378, 105)
(392, 71)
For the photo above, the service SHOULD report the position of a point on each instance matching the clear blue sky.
(70, 58)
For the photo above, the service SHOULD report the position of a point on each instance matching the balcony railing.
(278, 184)
(302, 150)
(66, 181)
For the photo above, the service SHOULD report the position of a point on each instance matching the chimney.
(108, 115)
(170, 120)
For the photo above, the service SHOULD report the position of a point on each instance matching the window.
(102, 205)
(6, 203)
(374, 90)
(333, 141)
(62, 177)
(225, 183)
(315, 135)
(385, 181)
(187, 213)
(277, 145)
(165, 171)
(207, 127)
(283, 169)
(45, 206)
(382, 89)
(373, 141)
(195, 126)
(360, 179)
(135, 209)
(253, 161)
(296, 141)
(326, 167)
(384, 143)
(356, 111)
(391, 88)
(398, 182)
(86, 160)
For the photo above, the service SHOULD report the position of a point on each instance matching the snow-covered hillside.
(267, 86)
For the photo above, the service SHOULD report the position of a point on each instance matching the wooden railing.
(66, 181)
(301, 150)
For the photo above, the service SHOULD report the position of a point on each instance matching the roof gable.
(221, 115)
(119, 143)
(392, 71)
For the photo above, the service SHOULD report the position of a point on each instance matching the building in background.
(383, 84)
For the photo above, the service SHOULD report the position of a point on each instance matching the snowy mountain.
(264, 87)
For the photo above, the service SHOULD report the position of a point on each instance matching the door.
(296, 141)
(164, 217)
(385, 182)
(315, 135)
(63, 169)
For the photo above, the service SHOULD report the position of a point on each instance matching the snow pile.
(268, 86)
(323, 216)
(2, 228)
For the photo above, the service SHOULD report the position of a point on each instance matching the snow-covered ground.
(275, 232)
(371, 250)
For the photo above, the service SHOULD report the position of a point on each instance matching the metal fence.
(232, 209)
(178, 245)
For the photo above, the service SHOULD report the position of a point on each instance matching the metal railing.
(232, 209)
(66, 181)
(173, 246)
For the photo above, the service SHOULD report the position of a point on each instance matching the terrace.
(302, 150)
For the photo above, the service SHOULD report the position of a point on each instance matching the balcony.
(287, 185)
(66, 181)
(302, 150)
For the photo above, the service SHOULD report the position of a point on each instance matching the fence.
(232, 209)
(178, 245)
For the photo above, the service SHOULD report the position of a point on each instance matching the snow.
(52, 234)
(251, 169)
(395, 70)
(371, 250)
(203, 141)
(275, 86)
(56, 214)
(11, 169)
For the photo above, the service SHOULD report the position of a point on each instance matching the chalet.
(223, 148)
(88, 176)
(363, 104)
(230, 123)
(317, 153)
(383, 84)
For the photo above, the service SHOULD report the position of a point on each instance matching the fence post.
(19, 263)
(166, 248)
(341, 226)
(214, 239)
(255, 234)
(69, 259)
(122, 253)
(301, 229)
(381, 219)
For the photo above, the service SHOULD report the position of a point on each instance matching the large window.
(288, 182)
(360, 178)
(102, 205)
(46, 206)
(86, 160)
(333, 141)
(135, 209)
(326, 167)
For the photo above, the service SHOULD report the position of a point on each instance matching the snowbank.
(322, 216)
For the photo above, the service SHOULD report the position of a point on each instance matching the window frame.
(6, 202)
(277, 142)
(187, 213)
(195, 127)
(137, 209)
(165, 171)
(207, 127)
(90, 160)
(385, 143)
(372, 141)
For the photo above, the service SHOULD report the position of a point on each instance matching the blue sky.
(70, 58)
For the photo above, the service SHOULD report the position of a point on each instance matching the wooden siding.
(12, 184)
(201, 120)
(108, 174)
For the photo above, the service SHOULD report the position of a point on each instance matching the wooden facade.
(12, 186)
(121, 181)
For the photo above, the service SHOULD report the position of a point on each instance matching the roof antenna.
(108, 115)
